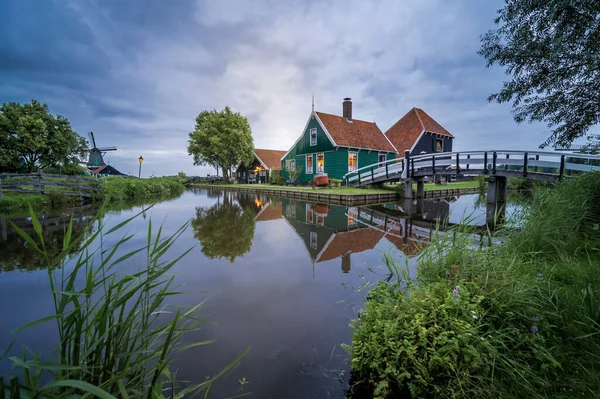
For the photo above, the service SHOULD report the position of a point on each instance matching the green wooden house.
(335, 145)
(260, 168)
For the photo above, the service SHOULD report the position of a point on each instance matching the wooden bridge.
(537, 165)
(39, 183)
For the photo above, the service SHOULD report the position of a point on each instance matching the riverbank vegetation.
(121, 189)
(116, 334)
(520, 319)
(115, 189)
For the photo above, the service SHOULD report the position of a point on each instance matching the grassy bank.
(122, 189)
(16, 203)
(515, 320)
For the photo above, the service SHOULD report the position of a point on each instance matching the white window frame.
(384, 158)
(310, 135)
(292, 162)
(352, 215)
(349, 153)
(309, 210)
(322, 170)
(312, 163)
(314, 240)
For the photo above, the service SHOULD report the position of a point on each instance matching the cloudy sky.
(138, 72)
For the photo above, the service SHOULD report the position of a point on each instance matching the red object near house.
(322, 209)
(321, 180)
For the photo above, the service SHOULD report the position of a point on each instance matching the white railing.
(535, 163)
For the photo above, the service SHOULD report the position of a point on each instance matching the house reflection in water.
(336, 232)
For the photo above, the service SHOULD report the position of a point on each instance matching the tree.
(552, 50)
(221, 139)
(32, 138)
(225, 230)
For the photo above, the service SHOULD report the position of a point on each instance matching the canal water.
(280, 276)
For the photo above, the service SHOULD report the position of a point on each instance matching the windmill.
(95, 163)
(96, 158)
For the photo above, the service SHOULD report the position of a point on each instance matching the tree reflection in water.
(226, 229)
(17, 254)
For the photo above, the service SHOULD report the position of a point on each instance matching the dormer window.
(313, 136)
(438, 145)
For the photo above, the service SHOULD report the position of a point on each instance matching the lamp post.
(141, 159)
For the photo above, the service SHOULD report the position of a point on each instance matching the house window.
(313, 239)
(439, 145)
(313, 136)
(292, 164)
(352, 161)
(320, 163)
(320, 220)
(290, 210)
(352, 214)
(309, 213)
(382, 159)
(309, 164)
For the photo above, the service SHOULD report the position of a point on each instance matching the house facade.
(419, 133)
(335, 145)
(260, 168)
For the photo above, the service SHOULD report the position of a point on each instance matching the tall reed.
(117, 336)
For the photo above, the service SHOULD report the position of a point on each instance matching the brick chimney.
(347, 108)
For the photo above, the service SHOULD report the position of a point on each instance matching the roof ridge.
(419, 117)
(340, 116)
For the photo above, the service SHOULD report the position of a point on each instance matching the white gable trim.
(324, 129)
(261, 162)
(417, 140)
(299, 138)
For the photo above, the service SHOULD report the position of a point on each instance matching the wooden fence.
(39, 183)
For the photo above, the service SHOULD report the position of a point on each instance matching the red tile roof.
(273, 211)
(270, 158)
(355, 133)
(352, 241)
(407, 130)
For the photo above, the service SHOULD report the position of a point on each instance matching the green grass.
(524, 321)
(116, 334)
(455, 185)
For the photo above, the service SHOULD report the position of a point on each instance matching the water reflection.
(226, 229)
(17, 254)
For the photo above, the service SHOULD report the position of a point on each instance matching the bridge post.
(420, 203)
(420, 188)
(496, 200)
(485, 163)
(408, 189)
(407, 163)
(525, 160)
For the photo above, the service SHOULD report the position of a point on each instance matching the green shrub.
(118, 188)
(335, 182)
(482, 184)
(276, 177)
(536, 296)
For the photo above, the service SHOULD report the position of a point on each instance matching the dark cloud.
(138, 73)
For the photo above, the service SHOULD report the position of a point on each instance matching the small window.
(290, 210)
(352, 214)
(313, 239)
(382, 159)
(313, 136)
(309, 213)
(309, 164)
(320, 220)
(352, 161)
(439, 145)
(292, 164)
(320, 163)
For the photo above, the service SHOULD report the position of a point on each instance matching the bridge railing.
(543, 164)
(386, 169)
